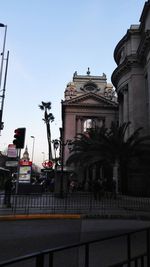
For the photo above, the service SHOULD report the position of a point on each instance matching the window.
(90, 87)
(92, 123)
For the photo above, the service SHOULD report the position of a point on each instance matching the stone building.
(89, 101)
(131, 78)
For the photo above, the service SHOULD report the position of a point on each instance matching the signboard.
(12, 151)
(25, 163)
(25, 174)
(11, 163)
(48, 164)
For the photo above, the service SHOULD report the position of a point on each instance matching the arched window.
(92, 123)
(89, 123)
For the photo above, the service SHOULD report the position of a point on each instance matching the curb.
(39, 216)
(71, 216)
(119, 217)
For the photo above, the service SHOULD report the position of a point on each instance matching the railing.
(82, 256)
(78, 202)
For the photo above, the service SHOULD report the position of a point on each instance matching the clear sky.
(48, 41)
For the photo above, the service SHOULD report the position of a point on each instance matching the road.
(22, 237)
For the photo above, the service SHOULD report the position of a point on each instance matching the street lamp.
(60, 143)
(3, 52)
(1, 74)
(33, 146)
(56, 143)
(43, 156)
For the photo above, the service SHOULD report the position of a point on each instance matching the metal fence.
(133, 253)
(77, 202)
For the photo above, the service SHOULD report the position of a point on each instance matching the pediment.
(90, 99)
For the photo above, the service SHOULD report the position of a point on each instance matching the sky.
(48, 40)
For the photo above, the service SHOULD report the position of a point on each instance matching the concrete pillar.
(125, 105)
(78, 125)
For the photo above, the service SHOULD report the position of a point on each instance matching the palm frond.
(109, 144)
(41, 107)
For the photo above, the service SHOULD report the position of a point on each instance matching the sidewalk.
(77, 206)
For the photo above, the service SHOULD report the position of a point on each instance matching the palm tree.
(48, 118)
(121, 149)
(110, 145)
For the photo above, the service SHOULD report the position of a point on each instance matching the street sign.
(24, 174)
(12, 151)
(48, 164)
(11, 163)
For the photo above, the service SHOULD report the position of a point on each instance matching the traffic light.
(19, 137)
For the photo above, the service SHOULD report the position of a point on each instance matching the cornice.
(77, 100)
(92, 106)
(144, 14)
(144, 45)
(90, 78)
(122, 41)
(125, 66)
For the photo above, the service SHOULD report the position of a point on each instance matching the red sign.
(25, 163)
(48, 164)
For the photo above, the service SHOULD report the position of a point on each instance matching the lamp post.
(60, 143)
(33, 146)
(43, 156)
(1, 73)
(3, 52)
(56, 143)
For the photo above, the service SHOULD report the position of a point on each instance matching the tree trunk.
(48, 135)
(49, 142)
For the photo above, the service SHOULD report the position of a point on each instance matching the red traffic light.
(19, 137)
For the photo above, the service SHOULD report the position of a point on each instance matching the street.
(24, 237)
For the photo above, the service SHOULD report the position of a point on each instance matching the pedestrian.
(72, 186)
(8, 191)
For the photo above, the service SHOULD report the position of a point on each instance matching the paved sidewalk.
(74, 206)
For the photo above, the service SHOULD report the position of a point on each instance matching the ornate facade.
(131, 78)
(89, 101)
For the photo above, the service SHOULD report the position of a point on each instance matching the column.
(125, 104)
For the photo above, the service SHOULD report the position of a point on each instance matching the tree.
(110, 145)
(48, 118)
